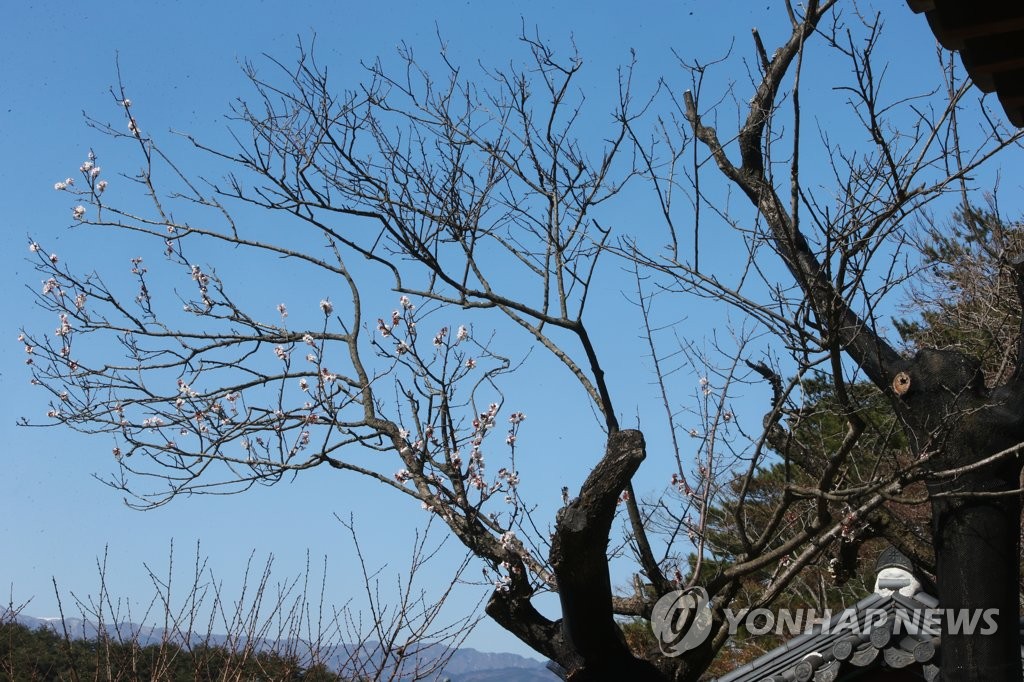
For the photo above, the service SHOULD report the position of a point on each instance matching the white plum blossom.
(463, 333)
(439, 339)
(283, 310)
(78, 212)
(280, 352)
(326, 306)
(65, 327)
(303, 384)
(308, 339)
(33, 247)
(185, 389)
(59, 186)
(470, 363)
(406, 304)
(508, 540)
(101, 186)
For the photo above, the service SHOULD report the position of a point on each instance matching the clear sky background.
(182, 65)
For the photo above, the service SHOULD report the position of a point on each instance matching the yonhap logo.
(681, 620)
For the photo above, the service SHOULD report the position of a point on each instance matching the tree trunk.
(976, 532)
(580, 562)
(977, 550)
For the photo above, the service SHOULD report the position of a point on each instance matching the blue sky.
(181, 63)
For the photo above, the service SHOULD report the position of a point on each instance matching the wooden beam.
(986, 58)
(955, 21)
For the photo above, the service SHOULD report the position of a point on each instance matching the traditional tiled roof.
(859, 638)
(896, 629)
(989, 35)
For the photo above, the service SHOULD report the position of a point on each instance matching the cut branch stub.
(901, 383)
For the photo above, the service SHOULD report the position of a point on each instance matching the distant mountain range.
(465, 664)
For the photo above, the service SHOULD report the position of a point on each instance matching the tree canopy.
(486, 203)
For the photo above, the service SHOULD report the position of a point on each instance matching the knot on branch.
(901, 384)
